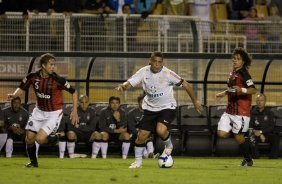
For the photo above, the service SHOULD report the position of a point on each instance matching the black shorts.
(150, 119)
(82, 136)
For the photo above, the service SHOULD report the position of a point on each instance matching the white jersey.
(158, 87)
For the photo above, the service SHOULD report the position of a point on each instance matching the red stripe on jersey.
(47, 90)
(238, 103)
(175, 75)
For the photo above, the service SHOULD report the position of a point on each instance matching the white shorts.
(235, 123)
(48, 121)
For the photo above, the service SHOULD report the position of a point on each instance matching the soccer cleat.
(167, 151)
(31, 165)
(135, 165)
(156, 155)
(246, 163)
(151, 155)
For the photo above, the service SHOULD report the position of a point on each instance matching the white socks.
(62, 149)
(125, 149)
(71, 146)
(3, 139)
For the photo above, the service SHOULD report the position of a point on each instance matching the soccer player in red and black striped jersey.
(47, 114)
(237, 115)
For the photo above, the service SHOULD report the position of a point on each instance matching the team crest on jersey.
(249, 82)
(20, 118)
(265, 118)
(88, 117)
(112, 126)
(30, 123)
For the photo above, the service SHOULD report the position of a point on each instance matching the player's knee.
(161, 129)
(104, 136)
(125, 136)
(96, 136)
(141, 138)
(40, 140)
(71, 135)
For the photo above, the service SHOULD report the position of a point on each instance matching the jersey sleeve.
(175, 79)
(248, 79)
(27, 81)
(135, 79)
(65, 84)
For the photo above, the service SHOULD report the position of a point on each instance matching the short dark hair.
(114, 98)
(16, 98)
(82, 96)
(261, 94)
(45, 58)
(124, 5)
(157, 54)
(246, 57)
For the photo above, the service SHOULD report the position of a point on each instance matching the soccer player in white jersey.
(159, 103)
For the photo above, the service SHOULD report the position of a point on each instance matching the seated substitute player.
(263, 124)
(15, 119)
(84, 131)
(113, 126)
(47, 114)
(133, 120)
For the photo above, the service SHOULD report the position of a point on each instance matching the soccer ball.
(165, 161)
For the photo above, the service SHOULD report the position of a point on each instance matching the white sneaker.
(124, 156)
(134, 165)
(94, 156)
(167, 151)
(71, 155)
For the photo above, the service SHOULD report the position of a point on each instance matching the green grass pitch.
(115, 170)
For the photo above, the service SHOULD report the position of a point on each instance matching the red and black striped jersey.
(48, 91)
(239, 103)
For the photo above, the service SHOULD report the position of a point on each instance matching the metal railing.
(122, 33)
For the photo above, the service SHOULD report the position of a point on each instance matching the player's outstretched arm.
(124, 86)
(74, 117)
(220, 95)
(190, 92)
(17, 92)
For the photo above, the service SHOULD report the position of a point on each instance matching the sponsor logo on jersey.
(155, 95)
(30, 123)
(42, 95)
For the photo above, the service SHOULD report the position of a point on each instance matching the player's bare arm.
(17, 92)
(124, 86)
(190, 92)
(74, 116)
(221, 94)
(249, 90)
(116, 115)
